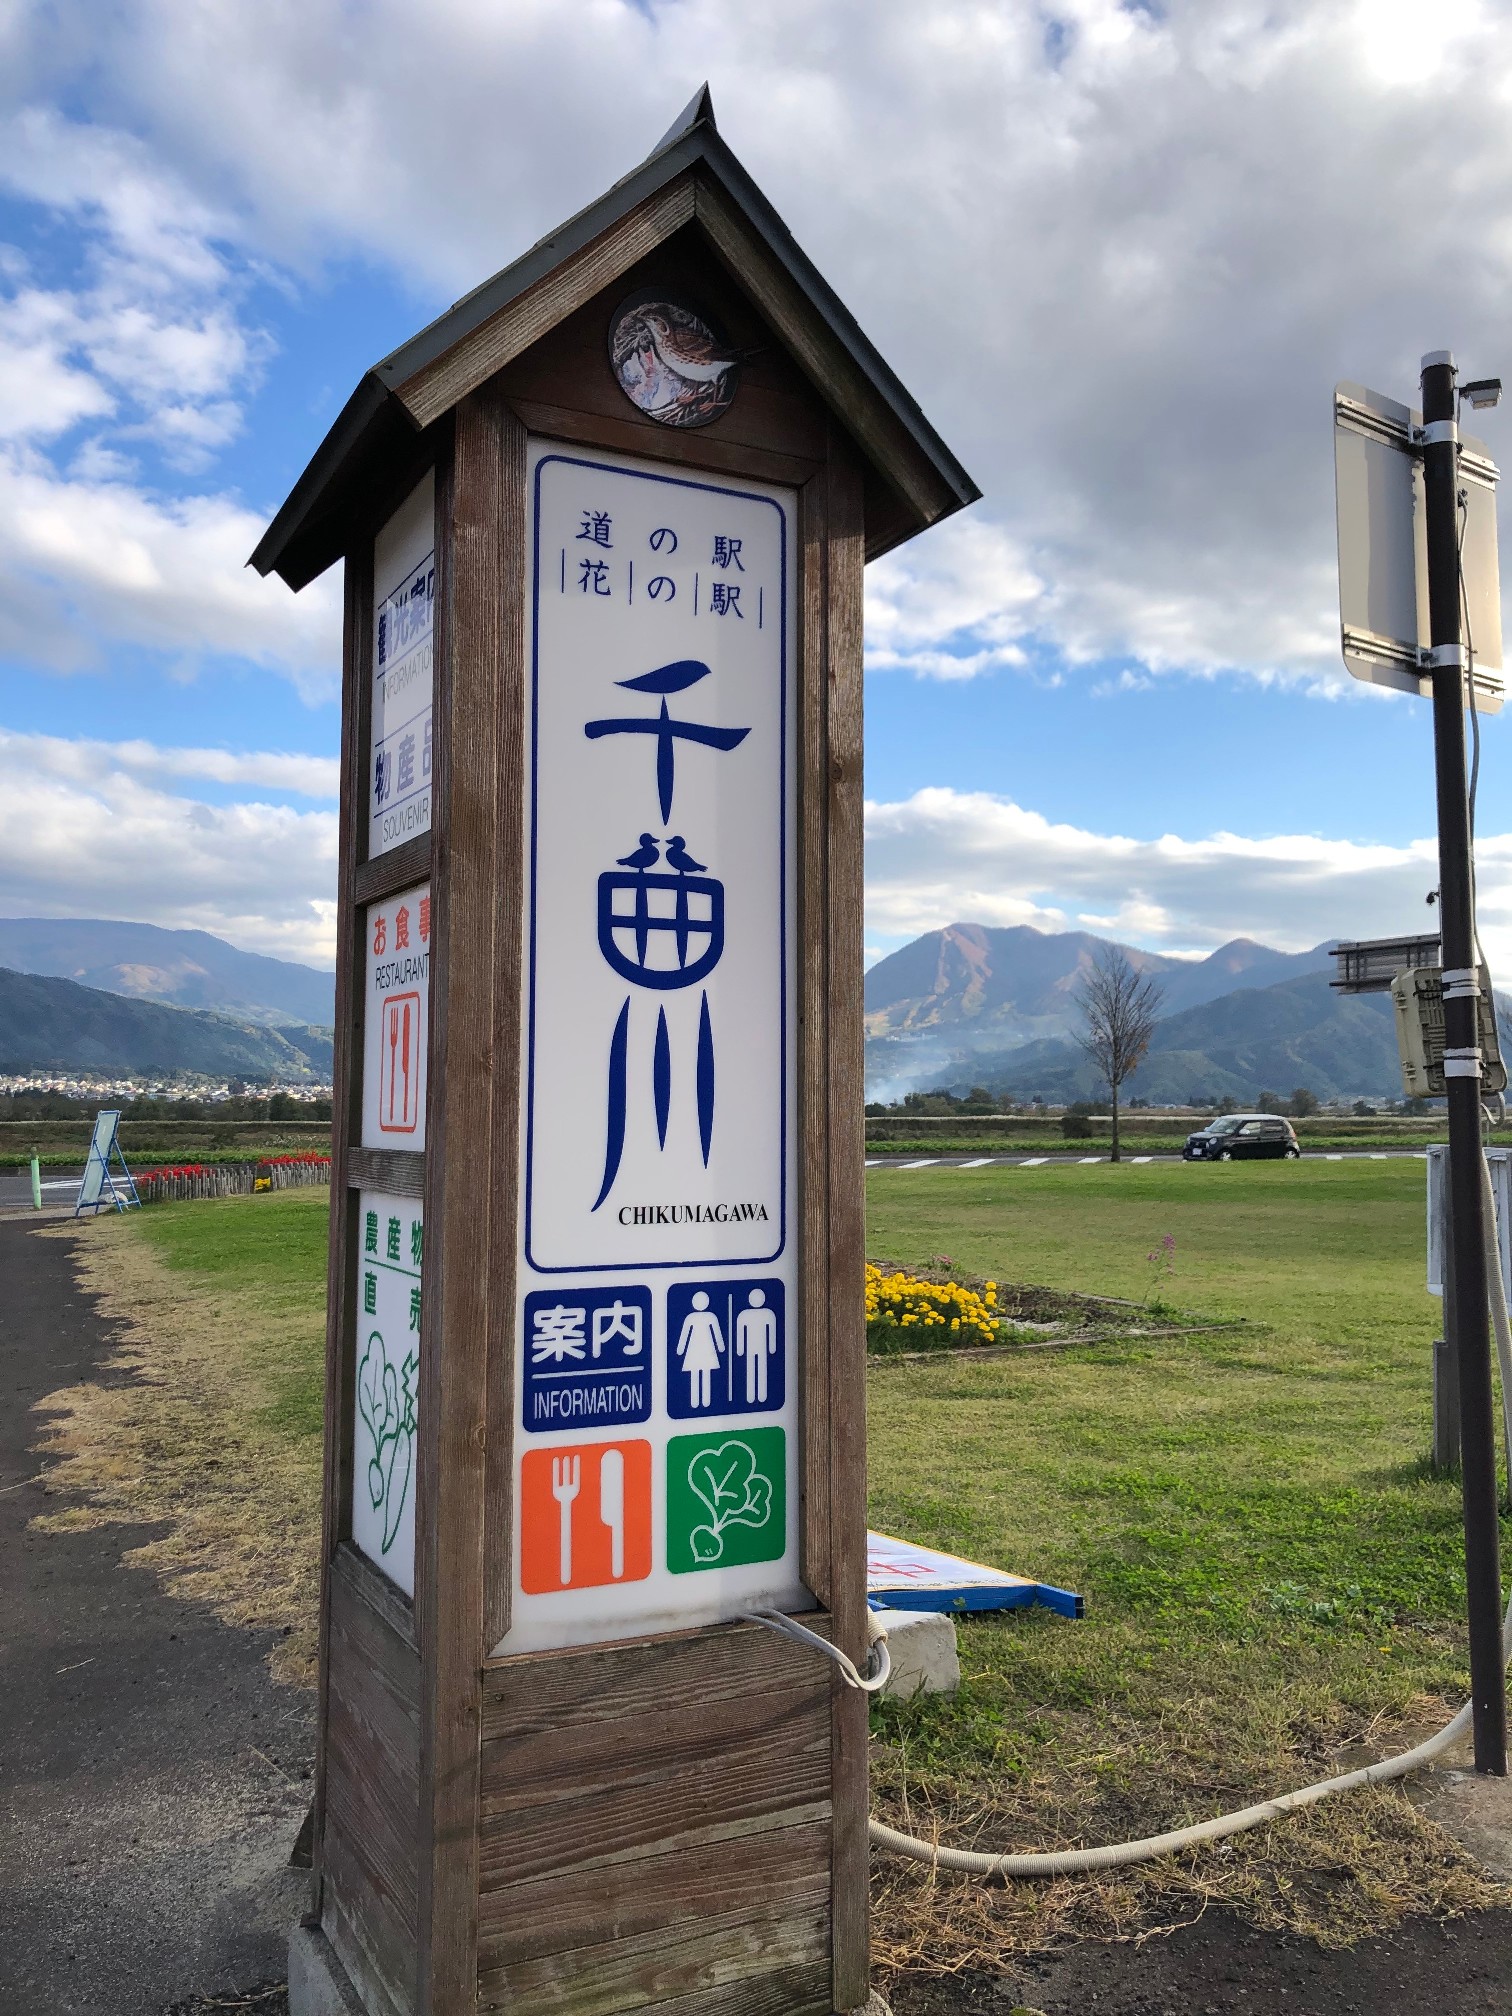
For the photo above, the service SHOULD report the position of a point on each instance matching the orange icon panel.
(585, 1516)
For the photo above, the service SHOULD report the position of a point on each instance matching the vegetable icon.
(726, 1480)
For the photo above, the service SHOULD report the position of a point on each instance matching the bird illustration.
(645, 856)
(679, 858)
(688, 350)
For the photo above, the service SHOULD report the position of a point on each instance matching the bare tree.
(1121, 1008)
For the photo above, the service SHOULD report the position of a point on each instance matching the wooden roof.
(691, 179)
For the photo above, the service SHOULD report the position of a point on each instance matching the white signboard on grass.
(391, 1237)
(404, 600)
(396, 1033)
(658, 1373)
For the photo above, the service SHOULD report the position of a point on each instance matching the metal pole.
(1466, 1258)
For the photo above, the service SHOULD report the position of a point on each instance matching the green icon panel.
(726, 1499)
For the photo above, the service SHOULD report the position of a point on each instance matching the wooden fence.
(231, 1179)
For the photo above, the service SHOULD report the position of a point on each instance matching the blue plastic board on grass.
(903, 1576)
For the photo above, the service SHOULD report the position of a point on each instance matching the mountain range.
(184, 969)
(56, 1025)
(972, 1005)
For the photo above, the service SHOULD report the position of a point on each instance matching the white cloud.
(90, 762)
(1120, 253)
(87, 563)
(90, 835)
(944, 856)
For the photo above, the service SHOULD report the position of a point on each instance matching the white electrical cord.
(789, 1627)
(1120, 1854)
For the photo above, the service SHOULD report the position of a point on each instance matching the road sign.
(1383, 547)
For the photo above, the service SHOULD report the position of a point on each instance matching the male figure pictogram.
(756, 1342)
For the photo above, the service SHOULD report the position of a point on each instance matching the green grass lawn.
(1270, 1570)
(1273, 1578)
(264, 1259)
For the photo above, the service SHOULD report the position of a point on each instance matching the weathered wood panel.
(400, 868)
(655, 1825)
(435, 389)
(684, 1966)
(780, 1867)
(883, 438)
(372, 1765)
(346, 1094)
(399, 1171)
(508, 1007)
(845, 1258)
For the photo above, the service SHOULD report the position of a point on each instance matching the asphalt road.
(1049, 1161)
(152, 1777)
(59, 1186)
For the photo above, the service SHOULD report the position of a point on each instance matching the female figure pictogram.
(700, 1346)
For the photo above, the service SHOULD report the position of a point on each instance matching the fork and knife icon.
(566, 1486)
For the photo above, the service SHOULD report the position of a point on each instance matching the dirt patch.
(170, 1434)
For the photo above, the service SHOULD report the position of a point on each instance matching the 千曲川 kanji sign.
(658, 1094)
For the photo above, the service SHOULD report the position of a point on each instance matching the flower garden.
(906, 1312)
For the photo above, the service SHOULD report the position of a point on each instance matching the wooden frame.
(674, 1823)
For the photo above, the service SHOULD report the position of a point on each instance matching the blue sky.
(1120, 255)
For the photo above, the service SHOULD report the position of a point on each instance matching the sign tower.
(595, 1351)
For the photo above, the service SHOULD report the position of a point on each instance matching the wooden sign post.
(595, 1348)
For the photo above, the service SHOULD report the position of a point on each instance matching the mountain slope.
(57, 1025)
(1298, 1032)
(187, 969)
(983, 987)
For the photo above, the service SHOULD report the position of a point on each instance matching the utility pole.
(1466, 1259)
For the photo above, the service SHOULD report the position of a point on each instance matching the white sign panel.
(404, 599)
(396, 1030)
(657, 1389)
(1383, 548)
(391, 1236)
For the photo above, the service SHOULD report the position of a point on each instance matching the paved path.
(1022, 1161)
(152, 1777)
(1222, 1967)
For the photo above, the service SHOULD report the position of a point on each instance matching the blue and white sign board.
(658, 1147)
(903, 1576)
(404, 601)
(390, 1250)
(99, 1189)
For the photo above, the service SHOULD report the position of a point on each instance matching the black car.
(1243, 1137)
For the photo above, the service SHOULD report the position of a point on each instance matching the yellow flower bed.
(936, 1312)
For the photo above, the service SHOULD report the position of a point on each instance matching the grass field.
(1272, 1575)
(1273, 1579)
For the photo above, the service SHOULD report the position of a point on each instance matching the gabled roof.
(691, 175)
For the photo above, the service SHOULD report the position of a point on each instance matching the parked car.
(1243, 1137)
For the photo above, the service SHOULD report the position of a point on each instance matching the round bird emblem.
(670, 363)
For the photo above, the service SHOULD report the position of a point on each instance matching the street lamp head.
(1482, 393)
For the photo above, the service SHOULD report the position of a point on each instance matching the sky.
(1120, 253)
